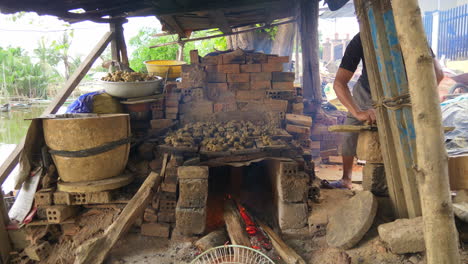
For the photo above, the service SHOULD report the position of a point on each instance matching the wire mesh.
(232, 254)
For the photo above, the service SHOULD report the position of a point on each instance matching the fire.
(253, 230)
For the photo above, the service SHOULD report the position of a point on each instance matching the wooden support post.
(96, 249)
(308, 28)
(440, 233)
(180, 51)
(394, 84)
(394, 184)
(194, 59)
(115, 49)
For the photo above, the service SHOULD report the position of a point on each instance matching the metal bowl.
(132, 89)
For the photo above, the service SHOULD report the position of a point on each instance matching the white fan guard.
(232, 254)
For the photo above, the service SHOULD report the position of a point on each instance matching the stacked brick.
(290, 188)
(228, 82)
(299, 127)
(193, 195)
(160, 216)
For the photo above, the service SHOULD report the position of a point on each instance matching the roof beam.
(170, 21)
(217, 18)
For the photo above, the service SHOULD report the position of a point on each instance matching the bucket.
(161, 67)
(88, 147)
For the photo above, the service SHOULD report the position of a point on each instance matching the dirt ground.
(134, 248)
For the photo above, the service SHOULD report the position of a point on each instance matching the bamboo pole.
(440, 234)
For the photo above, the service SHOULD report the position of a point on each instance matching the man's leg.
(349, 151)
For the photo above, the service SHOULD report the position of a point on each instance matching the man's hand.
(367, 116)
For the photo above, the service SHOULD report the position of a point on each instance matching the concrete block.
(166, 217)
(62, 198)
(238, 77)
(216, 77)
(155, 229)
(282, 85)
(403, 235)
(193, 172)
(260, 85)
(283, 76)
(251, 68)
(368, 147)
(167, 205)
(373, 179)
(60, 213)
(193, 193)
(292, 188)
(260, 76)
(43, 198)
(292, 215)
(272, 67)
(38, 252)
(190, 221)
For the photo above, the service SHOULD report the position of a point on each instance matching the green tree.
(144, 39)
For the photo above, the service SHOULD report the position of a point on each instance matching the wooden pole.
(395, 186)
(308, 28)
(440, 233)
(234, 225)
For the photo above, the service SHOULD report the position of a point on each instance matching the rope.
(394, 103)
(91, 151)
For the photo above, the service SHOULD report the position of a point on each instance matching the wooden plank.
(218, 18)
(172, 23)
(394, 84)
(385, 134)
(5, 244)
(440, 233)
(286, 253)
(234, 226)
(96, 249)
(299, 120)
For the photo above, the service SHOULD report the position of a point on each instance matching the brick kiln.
(235, 130)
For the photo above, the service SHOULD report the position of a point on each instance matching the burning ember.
(253, 230)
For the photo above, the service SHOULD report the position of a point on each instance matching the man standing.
(359, 103)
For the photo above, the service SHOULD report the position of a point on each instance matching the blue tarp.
(84, 103)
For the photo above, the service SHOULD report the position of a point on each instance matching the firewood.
(286, 253)
(213, 239)
(96, 249)
(234, 226)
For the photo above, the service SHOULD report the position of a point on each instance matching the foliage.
(144, 39)
(20, 76)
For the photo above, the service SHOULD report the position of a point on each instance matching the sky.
(26, 31)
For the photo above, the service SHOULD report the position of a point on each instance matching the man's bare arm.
(343, 93)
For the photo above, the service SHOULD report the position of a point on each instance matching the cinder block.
(155, 229)
(216, 77)
(292, 215)
(239, 86)
(252, 58)
(278, 59)
(38, 252)
(282, 85)
(166, 217)
(297, 129)
(282, 76)
(60, 213)
(161, 123)
(167, 205)
(260, 76)
(260, 85)
(62, 198)
(251, 68)
(368, 147)
(272, 67)
(150, 215)
(193, 172)
(229, 68)
(250, 95)
(288, 168)
(238, 77)
(292, 187)
(43, 198)
(190, 221)
(193, 193)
